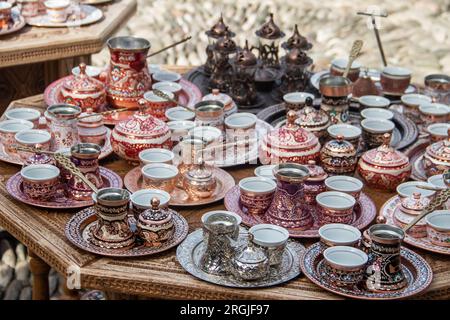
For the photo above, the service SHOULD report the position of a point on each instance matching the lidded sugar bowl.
(83, 91)
(315, 121)
(199, 181)
(436, 159)
(315, 183)
(155, 225)
(384, 167)
(409, 208)
(338, 156)
(289, 143)
(139, 132)
(229, 106)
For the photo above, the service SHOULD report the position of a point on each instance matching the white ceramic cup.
(335, 207)
(338, 234)
(156, 155)
(346, 184)
(34, 138)
(345, 258)
(377, 125)
(159, 176)
(438, 227)
(415, 99)
(166, 76)
(24, 114)
(179, 114)
(265, 171)
(407, 189)
(241, 120)
(438, 131)
(57, 10)
(91, 71)
(180, 129)
(230, 213)
(371, 101)
(272, 238)
(377, 113)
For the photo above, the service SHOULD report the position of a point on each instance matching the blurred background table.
(34, 57)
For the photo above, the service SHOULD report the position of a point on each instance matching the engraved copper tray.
(189, 96)
(364, 213)
(417, 271)
(189, 253)
(60, 201)
(388, 209)
(133, 182)
(15, 159)
(78, 232)
(405, 131)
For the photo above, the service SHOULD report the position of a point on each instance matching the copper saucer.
(15, 159)
(133, 182)
(417, 271)
(189, 96)
(388, 209)
(78, 232)
(364, 213)
(60, 201)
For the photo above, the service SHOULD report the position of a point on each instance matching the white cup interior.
(179, 113)
(396, 71)
(91, 71)
(257, 185)
(437, 109)
(439, 129)
(407, 189)
(377, 125)
(156, 155)
(33, 136)
(14, 126)
(377, 113)
(348, 257)
(341, 63)
(181, 125)
(439, 219)
(269, 235)
(265, 171)
(338, 233)
(166, 76)
(56, 4)
(346, 130)
(415, 99)
(344, 184)
(39, 172)
(159, 171)
(297, 97)
(23, 114)
(167, 86)
(5, 5)
(205, 132)
(374, 101)
(437, 181)
(142, 198)
(335, 200)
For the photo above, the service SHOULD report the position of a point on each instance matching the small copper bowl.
(40, 181)
(335, 86)
(256, 194)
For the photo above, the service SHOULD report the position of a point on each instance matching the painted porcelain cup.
(141, 200)
(438, 131)
(179, 114)
(339, 65)
(57, 10)
(438, 227)
(344, 266)
(256, 194)
(8, 130)
(40, 181)
(374, 130)
(434, 113)
(158, 106)
(335, 207)
(339, 234)
(395, 80)
(272, 239)
(167, 86)
(32, 138)
(166, 76)
(210, 113)
(407, 189)
(265, 172)
(156, 155)
(24, 114)
(159, 176)
(5, 14)
(377, 113)
(350, 133)
(240, 126)
(346, 184)
(296, 100)
(374, 102)
(411, 103)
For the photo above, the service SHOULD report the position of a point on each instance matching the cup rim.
(24, 170)
(184, 123)
(156, 75)
(203, 130)
(271, 183)
(327, 256)
(357, 131)
(173, 168)
(231, 213)
(15, 121)
(423, 192)
(341, 63)
(168, 114)
(437, 177)
(141, 154)
(374, 101)
(351, 200)
(429, 219)
(425, 99)
(268, 167)
(437, 109)
(5, 5)
(164, 197)
(297, 97)
(19, 139)
(178, 87)
(150, 96)
(443, 125)
(328, 226)
(328, 181)
(36, 114)
(389, 125)
(266, 243)
(252, 120)
(57, 4)
(384, 114)
(396, 71)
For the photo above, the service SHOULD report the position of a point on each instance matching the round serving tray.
(60, 200)
(388, 210)
(78, 232)
(133, 182)
(364, 213)
(417, 271)
(89, 15)
(190, 251)
(17, 23)
(405, 131)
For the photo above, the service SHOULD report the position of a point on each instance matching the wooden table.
(159, 276)
(34, 57)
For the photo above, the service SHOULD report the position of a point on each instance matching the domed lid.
(225, 44)
(201, 172)
(246, 57)
(415, 203)
(291, 136)
(440, 150)
(154, 214)
(309, 117)
(142, 125)
(339, 146)
(316, 173)
(297, 41)
(216, 95)
(82, 83)
(385, 155)
(297, 57)
(270, 30)
(219, 29)
(250, 254)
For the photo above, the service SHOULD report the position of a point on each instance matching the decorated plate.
(364, 213)
(77, 17)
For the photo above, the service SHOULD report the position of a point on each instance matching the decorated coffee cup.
(159, 176)
(166, 76)
(335, 207)
(141, 200)
(296, 100)
(273, 239)
(57, 10)
(40, 181)
(344, 266)
(156, 155)
(167, 86)
(346, 184)
(158, 106)
(411, 103)
(395, 80)
(24, 114)
(8, 130)
(339, 65)
(374, 130)
(338, 234)
(179, 114)
(371, 101)
(407, 189)
(438, 131)
(256, 194)
(350, 133)
(377, 113)
(33, 138)
(434, 113)
(438, 227)
(240, 126)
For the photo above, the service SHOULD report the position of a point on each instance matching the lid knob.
(340, 138)
(142, 106)
(291, 117)
(387, 139)
(309, 101)
(215, 92)
(82, 67)
(416, 195)
(154, 202)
